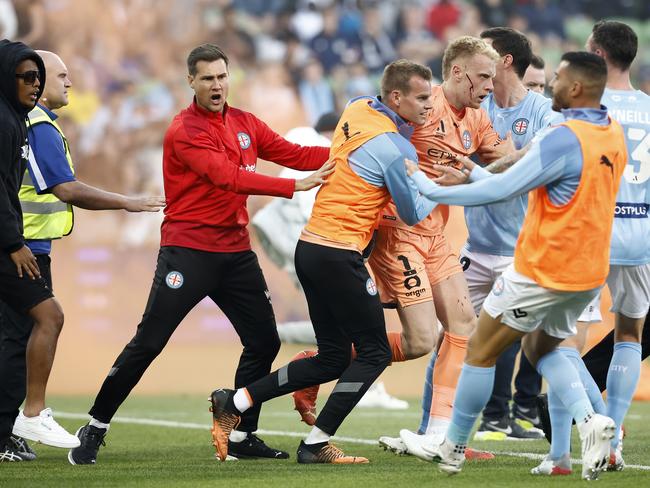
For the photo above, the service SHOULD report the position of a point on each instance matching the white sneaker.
(616, 462)
(393, 444)
(450, 457)
(553, 467)
(595, 435)
(415, 443)
(378, 397)
(44, 429)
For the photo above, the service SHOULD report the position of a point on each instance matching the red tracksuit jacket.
(209, 162)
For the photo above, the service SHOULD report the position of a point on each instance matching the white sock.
(98, 424)
(316, 435)
(438, 426)
(241, 400)
(238, 435)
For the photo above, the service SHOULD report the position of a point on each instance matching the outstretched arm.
(202, 156)
(275, 148)
(85, 196)
(544, 163)
(410, 205)
(502, 164)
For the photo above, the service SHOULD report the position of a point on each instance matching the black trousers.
(345, 309)
(598, 358)
(15, 329)
(183, 277)
(528, 384)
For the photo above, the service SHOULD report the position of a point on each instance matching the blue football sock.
(563, 378)
(622, 380)
(560, 426)
(472, 394)
(595, 397)
(427, 394)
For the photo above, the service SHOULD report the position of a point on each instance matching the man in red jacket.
(210, 152)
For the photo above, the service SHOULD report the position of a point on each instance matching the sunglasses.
(29, 77)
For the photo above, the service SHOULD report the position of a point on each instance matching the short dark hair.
(398, 74)
(618, 40)
(591, 68)
(506, 40)
(327, 122)
(204, 52)
(537, 62)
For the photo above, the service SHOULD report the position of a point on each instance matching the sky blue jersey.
(631, 232)
(554, 161)
(493, 229)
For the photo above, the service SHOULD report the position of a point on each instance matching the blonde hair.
(465, 47)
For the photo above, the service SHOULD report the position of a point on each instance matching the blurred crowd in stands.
(291, 60)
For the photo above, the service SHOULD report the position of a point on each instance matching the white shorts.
(481, 271)
(592, 314)
(630, 290)
(525, 306)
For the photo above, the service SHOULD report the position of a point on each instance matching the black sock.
(314, 448)
(230, 404)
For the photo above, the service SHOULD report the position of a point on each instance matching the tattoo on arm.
(502, 164)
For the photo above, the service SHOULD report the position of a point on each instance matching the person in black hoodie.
(22, 78)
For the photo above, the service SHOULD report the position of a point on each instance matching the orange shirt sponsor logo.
(446, 134)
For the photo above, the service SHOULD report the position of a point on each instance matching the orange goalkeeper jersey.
(447, 133)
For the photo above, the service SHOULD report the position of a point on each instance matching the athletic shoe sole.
(31, 436)
(599, 439)
(393, 444)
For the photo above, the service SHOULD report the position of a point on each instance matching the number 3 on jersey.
(638, 171)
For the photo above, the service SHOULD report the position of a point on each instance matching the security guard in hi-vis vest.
(45, 217)
(49, 191)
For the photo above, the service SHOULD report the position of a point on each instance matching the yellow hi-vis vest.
(44, 216)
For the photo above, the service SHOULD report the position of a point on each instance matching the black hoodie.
(13, 141)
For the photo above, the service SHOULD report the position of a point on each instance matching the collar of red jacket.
(196, 108)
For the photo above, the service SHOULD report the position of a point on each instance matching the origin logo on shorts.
(244, 140)
(174, 280)
(371, 288)
(497, 289)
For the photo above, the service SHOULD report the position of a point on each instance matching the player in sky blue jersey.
(589, 137)
(616, 362)
(493, 231)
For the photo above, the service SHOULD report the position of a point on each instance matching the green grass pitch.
(165, 441)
